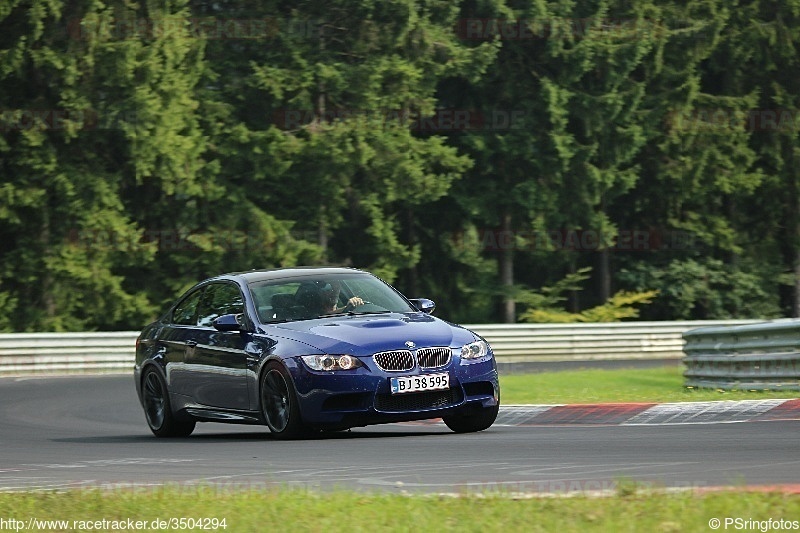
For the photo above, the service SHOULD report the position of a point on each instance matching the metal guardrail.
(24, 353)
(763, 356)
(591, 341)
(27, 353)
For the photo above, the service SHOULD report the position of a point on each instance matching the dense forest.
(512, 160)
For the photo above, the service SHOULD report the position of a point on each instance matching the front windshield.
(315, 296)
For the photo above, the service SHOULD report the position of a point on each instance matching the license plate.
(401, 385)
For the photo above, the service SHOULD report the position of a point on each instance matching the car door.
(216, 366)
(179, 340)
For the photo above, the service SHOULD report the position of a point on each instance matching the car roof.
(251, 276)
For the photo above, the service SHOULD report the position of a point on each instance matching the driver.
(330, 299)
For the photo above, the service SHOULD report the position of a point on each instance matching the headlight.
(474, 350)
(331, 362)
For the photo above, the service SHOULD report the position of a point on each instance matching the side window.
(184, 314)
(219, 299)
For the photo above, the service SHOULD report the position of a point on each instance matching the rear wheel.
(157, 409)
(479, 421)
(279, 405)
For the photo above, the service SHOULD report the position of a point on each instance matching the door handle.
(191, 344)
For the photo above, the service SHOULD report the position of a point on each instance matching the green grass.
(629, 385)
(296, 510)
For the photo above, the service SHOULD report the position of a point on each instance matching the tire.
(479, 421)
(157, 409)
(279, 407)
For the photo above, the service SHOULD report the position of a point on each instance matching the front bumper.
(363, 396)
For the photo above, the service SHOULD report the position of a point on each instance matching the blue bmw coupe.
(307, 349)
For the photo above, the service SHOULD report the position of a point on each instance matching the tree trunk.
(604, 261)
(796, 295)
(573, 297)
(791, 159)
(507, 271)
(413, 272)
(322, 234)
(46, 283)
(604, 270)
(791, 248)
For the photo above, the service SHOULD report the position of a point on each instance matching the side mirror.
(229, 323)
(424, 305)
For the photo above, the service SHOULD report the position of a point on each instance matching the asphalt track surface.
(89, 431)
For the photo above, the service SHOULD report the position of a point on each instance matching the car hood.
(368, 334)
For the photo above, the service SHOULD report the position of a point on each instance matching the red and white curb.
(645, 414)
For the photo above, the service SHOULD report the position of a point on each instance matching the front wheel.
(479, 421)
(157, 410)
(279, 406)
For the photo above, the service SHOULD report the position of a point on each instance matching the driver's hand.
(354, 302)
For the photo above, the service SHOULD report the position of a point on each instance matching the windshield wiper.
(353, 313)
